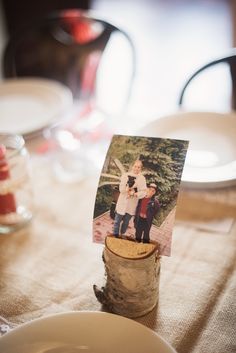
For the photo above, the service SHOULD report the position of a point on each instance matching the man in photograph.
(132, 188)
(145, 212)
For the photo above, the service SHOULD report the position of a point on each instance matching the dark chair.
(230, 60)
(67, 46)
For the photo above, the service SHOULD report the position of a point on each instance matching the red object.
(7, 201)
(88, 78)
(80, 27)
(143, 210)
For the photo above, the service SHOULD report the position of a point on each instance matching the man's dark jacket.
(152, 208)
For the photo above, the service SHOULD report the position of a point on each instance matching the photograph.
(137, 191)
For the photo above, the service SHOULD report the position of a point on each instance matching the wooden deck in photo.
(103, 226)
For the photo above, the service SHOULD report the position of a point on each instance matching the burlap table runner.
(51, 267)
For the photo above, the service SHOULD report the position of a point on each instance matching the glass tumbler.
(16, 194)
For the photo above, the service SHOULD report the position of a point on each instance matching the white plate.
(211, 157)
(28, 105)
(87, 332)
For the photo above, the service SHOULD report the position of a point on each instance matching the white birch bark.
(132, 284)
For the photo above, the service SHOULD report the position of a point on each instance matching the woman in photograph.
(132, 188)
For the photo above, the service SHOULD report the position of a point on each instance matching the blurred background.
(172, 39)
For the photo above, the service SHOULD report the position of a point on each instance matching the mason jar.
(16, 193)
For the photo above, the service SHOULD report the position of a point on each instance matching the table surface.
(51, 266)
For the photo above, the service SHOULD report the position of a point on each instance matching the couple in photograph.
(136, 200)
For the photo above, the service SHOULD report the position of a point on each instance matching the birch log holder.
(132, 277)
